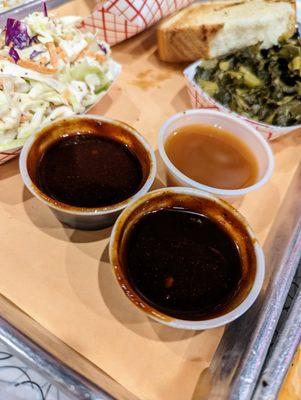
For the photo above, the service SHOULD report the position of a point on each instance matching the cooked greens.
(264, 85)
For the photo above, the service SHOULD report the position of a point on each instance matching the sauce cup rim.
(235, 120)
(69, 209)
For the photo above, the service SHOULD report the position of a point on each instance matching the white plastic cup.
(167, 197)
(76, 217)
(245, 132)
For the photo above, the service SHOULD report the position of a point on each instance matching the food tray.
(57, 303)
(285, 342)
(118, 20)
(200, 99)
(232, 370)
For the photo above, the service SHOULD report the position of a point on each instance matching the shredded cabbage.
(30, 98)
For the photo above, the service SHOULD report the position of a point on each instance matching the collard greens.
(264, 85)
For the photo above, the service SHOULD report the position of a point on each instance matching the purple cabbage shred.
(45, 8)
(14, 54)
(16, 34)
(34, 39)
(103, 48)
(35, 53)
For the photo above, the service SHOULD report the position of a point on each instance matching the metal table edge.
(62, 376)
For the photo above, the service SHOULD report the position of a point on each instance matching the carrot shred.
(68, 36)
(61, 53)
(93, 54)
(24, 118)
(43, 61)
(31, 65)
(53, 54)
(99, 57)
(81, 54)
(66, 95)
(36, 67)
(7, 58)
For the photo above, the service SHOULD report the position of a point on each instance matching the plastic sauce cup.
(252, 257)
(77, 217)
(246, 133)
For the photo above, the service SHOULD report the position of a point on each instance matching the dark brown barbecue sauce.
(89, 171)
(182, 263)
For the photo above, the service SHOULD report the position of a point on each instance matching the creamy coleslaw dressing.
(60, 71)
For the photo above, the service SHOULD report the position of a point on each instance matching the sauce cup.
(245, 132)
(251, 254)
(78, 217)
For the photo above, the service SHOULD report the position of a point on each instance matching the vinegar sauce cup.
(242, 130)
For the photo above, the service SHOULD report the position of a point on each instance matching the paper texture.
(117, 20)
(9, 154)
(291, 389)
(60, 277)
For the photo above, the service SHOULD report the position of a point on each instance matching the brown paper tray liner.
(60, 277)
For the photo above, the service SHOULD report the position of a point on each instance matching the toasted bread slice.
(208, 30)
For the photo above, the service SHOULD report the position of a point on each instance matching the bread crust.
(178, 43)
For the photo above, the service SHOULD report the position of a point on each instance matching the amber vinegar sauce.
(212, 156)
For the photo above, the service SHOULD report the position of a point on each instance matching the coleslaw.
(49, 69)
(8, 4)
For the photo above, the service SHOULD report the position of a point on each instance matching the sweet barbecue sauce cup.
(251, 254)
(83, 217)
